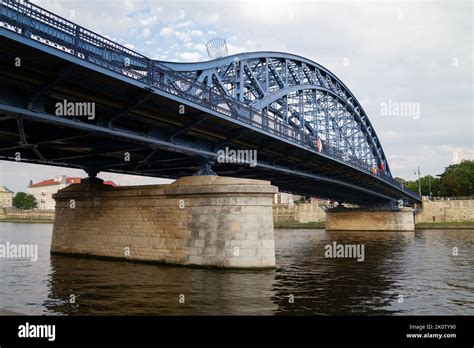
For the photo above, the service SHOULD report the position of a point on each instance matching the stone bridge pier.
(196, 221)
(402, 220)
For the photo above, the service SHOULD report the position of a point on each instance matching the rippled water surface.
(418, 268)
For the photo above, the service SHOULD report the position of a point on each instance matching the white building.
(6, 197)
(43, 191)
(285, 198)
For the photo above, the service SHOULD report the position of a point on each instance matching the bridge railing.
(41, 25)
(204, 95)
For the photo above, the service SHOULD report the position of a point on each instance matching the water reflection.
(109, 287)
(419, 266)
(323, 285)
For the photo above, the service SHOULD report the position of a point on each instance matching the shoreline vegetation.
(468, 225)
(300, 225)
(294, 225)
(447, 225)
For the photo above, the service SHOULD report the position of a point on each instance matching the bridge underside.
(146, 123)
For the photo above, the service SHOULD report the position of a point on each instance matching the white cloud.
(184, 24)
(128, 4)
(166, 32)
(148, 22)
(233, 49)
(160, 56)
(200, 47)
(190, 56)
(195, 33)
(210, 18)
(183, 35)
(146, 32)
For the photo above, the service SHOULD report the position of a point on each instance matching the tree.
(400, 180)
(24, 200)
(458, 179)
(426, 182)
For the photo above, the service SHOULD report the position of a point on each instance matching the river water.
(402, 273)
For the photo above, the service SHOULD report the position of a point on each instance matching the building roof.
(5, 189)
(73, 180)
(56, 181)
(64, 180)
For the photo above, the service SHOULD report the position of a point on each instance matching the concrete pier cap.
(197, 221)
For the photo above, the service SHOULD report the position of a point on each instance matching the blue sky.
(417, 52)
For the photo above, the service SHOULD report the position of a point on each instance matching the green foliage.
(400, 180)
(458, 179)
(425, 181)
(23, 200)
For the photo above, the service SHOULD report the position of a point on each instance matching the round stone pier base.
(199, 220)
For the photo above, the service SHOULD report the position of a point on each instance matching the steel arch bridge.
(299, 92)
(312, 135)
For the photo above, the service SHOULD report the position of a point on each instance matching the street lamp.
(429, 186)
(419, 182)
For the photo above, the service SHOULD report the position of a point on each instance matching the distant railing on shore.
(451, 198)
(14, 213)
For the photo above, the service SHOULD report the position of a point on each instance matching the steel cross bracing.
(284, 95)
(302, 94)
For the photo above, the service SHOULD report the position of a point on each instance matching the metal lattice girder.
(301, 93)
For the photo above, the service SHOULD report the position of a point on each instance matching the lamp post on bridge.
(429, 187)
(419, 181)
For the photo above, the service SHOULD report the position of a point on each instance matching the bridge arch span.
(299, 91)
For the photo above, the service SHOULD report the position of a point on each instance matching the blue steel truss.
(285, 95)
(299, 92)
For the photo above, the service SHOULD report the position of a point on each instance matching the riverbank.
(4, 312)
(300, 225)
(28, 221)
(465, 225)
(31, 216)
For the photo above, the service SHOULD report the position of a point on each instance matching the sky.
(389, 54)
